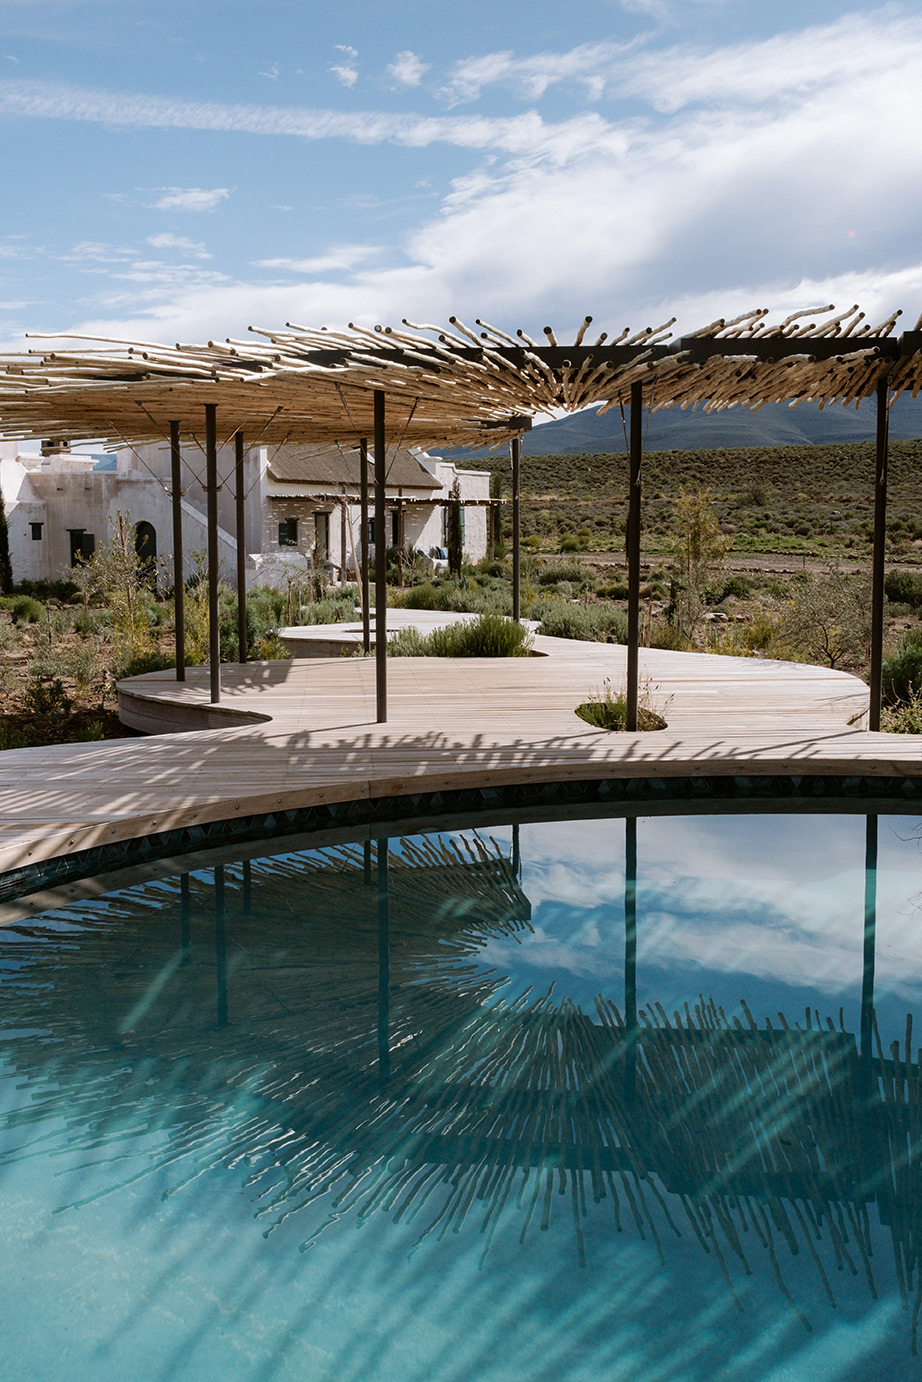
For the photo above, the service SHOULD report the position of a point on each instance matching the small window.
(288, 532)
(36, 531)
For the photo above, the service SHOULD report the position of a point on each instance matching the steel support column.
(211, 494)
(880, 551)
(363, 548)
(633, 555)
(240, 526)
(179, 589)
(515, 447)
(380, 560)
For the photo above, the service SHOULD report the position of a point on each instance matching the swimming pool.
(599, 1097)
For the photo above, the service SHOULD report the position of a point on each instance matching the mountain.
(676, 430)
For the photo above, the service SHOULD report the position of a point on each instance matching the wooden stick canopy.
(457, 387)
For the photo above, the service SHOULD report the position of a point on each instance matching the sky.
(181, 171)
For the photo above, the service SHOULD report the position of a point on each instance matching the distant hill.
(674, 430)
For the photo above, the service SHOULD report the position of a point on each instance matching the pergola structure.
(423, 386)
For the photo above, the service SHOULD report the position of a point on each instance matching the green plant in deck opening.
(607, 709)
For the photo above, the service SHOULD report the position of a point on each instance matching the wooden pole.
(363, 491)
(179, 589)
(239, 498)
(211, 492)
(515, 447)
(380, 560)
(879, 553)
(633, 556)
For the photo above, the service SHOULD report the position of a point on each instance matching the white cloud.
(407, 69)
(346, 72)
(190, 198)
(347, 75)
(178, 242)
(728, 200)
(337, 257)
(530, 77)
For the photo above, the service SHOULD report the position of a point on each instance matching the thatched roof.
(340, 466)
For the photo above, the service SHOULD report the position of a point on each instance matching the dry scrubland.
(751, 553)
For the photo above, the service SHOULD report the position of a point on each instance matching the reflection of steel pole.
(516, 853)
(384, 964)
(363, 500)
(247, 887)
(185, 912)
(630, 956)
(220, 944)
(870, 937)
(366, 863)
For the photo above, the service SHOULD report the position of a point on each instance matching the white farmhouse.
(298, 502)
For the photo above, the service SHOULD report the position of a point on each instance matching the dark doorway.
(145, 545)
(82, 545)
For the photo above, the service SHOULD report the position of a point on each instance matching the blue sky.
(179, 171)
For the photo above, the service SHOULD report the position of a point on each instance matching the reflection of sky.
(769, 908)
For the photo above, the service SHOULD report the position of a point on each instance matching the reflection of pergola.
(362, 1052)
(456, 387)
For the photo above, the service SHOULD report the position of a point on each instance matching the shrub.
(905, 718)
(23, 608)
(129, 666)
(549, 573)
(904, 588)
(424, 596)
(901, 675)
(589, 623)
(489, 636)
(614, 590)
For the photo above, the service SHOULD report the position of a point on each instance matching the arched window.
(145, 545)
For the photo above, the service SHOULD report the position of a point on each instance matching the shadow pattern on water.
(339, 1045)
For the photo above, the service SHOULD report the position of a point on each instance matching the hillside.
(676, 430)
(812, 500)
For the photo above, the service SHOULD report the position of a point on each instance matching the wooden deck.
(296, 733)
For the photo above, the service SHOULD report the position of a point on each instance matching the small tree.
(455, 534)
(698, 550)
(113, 575)
(828, 621)
(6, 569)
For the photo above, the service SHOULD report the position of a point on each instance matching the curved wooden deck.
(296, 733)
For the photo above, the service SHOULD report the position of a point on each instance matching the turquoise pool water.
(584, 1099)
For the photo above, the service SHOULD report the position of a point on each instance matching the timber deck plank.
(466, 722)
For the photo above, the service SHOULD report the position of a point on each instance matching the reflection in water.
(343, 1050)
